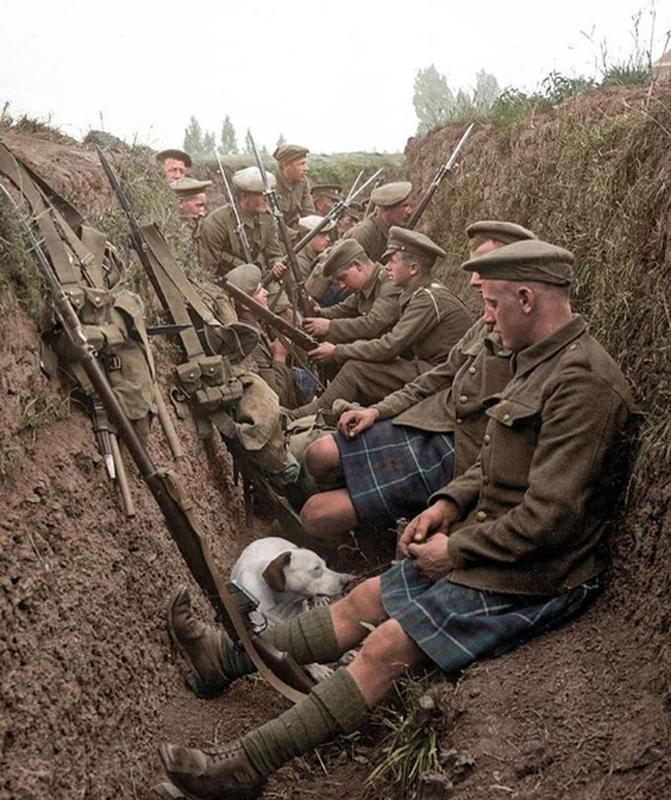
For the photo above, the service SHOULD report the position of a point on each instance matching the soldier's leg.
(327, 514)
(339, 704)
(322, 458)
(320, 635)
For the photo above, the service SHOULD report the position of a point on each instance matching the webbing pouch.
(189, 376)
(208, 399)
(212, 370)
(95, 305)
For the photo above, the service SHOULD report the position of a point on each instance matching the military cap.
(312, 220)
(331, 190)
(246, 277)
(412, 242)
(180, 155)
(391, 194)
(188, 187)
(289, 152)
(505, 232)
(354, 210)
(341, 255)
(528, 260)
(249, 180)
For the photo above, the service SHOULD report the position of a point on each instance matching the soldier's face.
(253, 203)
(481, 250)
(193, 207)
(174, 169)
(323, 205)
(399, 214)
(261, 296)
(296, 170)
(320, 242)
(400, 272)
(347, 222)
(507, 309)
(353, 278)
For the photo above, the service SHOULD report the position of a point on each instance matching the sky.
(334, 77)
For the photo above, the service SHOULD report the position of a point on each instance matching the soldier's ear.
(273, 574)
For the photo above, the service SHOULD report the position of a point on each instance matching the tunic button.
(463, 398)
(572, 346)
(487, 439)
(506, 417)
(471, 370)
(481, 516)
(458, 420)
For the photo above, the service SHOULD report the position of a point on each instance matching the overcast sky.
(333, 76)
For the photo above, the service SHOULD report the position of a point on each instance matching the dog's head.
(304, 574)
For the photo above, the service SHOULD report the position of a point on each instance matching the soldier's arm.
(382, 315)
(578, 426)
(345, 308)
(307, 204)
(214, 246)
(417, 320)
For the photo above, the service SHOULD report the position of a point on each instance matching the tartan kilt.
(454, 625)
(391, 470)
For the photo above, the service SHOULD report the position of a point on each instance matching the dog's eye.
(316, 570)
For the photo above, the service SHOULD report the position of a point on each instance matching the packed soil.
(91, 685)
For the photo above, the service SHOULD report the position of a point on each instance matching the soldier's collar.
(409, 291)
(532, 356)
(369, 286)
(247, 217)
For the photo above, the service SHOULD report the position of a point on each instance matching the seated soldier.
(432, 320)
(393, 209)
(372, 307)
(174, 163)
(392, 467)
(293, 186)
(350, 217)
(270, 355)
(513, 547)
(325, 196)
(307, 258)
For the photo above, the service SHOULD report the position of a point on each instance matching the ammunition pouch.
(209, 384)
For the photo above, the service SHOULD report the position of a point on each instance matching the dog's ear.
(273, 574)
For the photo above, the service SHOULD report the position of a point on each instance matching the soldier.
(513, 547)
(352, 215)
(393, 208)
(219, 247)
(434, 426)
(432, 320)
(307, 258)
(192, 198)
(270, 355)
(293, 188)
(325, 196)
(174, 163)
(372, 307)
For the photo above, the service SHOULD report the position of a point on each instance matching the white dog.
(284, 578)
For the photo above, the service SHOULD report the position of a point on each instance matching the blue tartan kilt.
(455, 625)
(391, 471)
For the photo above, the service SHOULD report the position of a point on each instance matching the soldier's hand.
(279, 351)
(278, 270)
(437, 517)
(316, 326)
(432, 559)
(354, 422)
(323, 353)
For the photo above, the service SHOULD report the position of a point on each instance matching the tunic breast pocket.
(513, 435)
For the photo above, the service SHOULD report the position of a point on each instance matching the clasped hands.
(425, 540)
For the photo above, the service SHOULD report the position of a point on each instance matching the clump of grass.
(10, 455)
(19, 275)
(417, 724)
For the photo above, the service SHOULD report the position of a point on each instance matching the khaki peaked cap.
(249, 180)
(180, 155)
(188, 187)
(391, 194)
(331, 190)
(528, 260)
(411, 242)
(499, 231)
(354, 210)
(341, 256)
(289, 152)
(246, 277)
(311, 221)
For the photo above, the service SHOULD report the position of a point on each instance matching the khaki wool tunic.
(295, 200)
(372, 235)
(432, 320)
(306, 260)
(450, 398)
(366, 314)
(534, 505)
(219, 248)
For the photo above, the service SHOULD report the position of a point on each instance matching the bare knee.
(364, 602)
(322, 456)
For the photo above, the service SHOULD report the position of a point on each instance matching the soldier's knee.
(313, 515)
(321, 456)
(385, 647)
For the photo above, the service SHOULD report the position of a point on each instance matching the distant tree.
(433, 99)
(486, 93)
(264, 150)
(209, 146)
(193, 138)
(248, 142)
(228, 144)
(281, 139)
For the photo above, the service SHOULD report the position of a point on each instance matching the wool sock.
(334, 706)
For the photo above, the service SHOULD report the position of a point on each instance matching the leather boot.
(225, 774)
(200, 645)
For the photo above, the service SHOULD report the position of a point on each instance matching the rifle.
(442, 171)
(369, 202)
(177, 508)
(335, 211)
(239, 225)
(305, 306)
